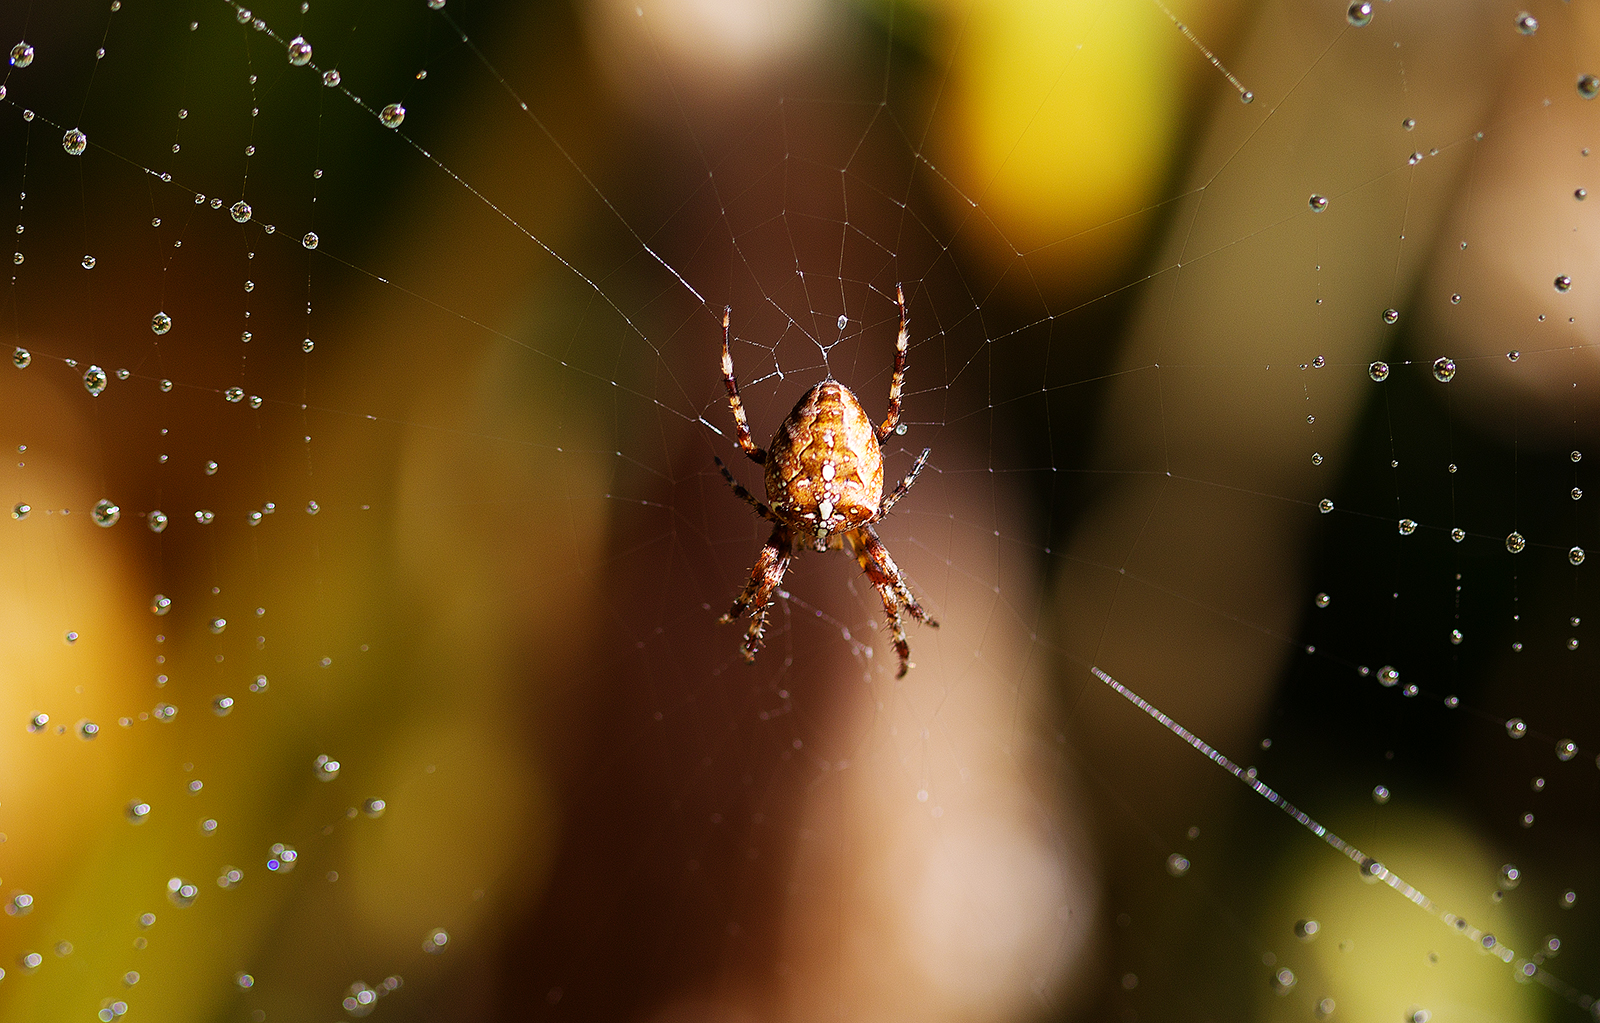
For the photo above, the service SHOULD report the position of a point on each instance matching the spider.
(824, 477)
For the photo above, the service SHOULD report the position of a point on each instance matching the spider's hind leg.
(897, 381)
(731, 382)
(765, 578)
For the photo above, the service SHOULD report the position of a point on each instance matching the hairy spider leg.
(885, 577)
(739, 489)
(899, 377)
(748, 446)
(894, 496)
(765, 578)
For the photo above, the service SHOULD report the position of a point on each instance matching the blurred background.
(365, 552)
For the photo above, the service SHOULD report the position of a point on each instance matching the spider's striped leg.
(895, 495)
(885, 577)
(899, 378)
(765, 578)
(738, 488)
(741, 424)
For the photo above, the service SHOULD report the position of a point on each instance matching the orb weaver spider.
(824, 481)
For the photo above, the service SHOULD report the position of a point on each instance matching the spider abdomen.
(825, 468)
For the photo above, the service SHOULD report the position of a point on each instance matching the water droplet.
(259, 685)
(160, 323)
(74, 142)
(1388, 676)
(205, 516)
(374, 807)
(1177, 865)
(38, 722)
(1305, 930)
(138, 811)
(307, 345)
(20, 904)
(1414, 159)
(1391, 316)
(165, 385)
(94, 380)
(234, 394)
(392, 115)
(1316, 458)
(1444, 369)
(281, 858)
(1455, 637)
(1407, 527)
(1325, 506)
(844, 321)
(1408, 123)
(1576, 456)
(312, 507)
(330, 78)
(156, 520)
(310, 240)
(164, 712)
(1515, 543)
(240, 211)
(1527, 24)
(1576, 555)
(181, 893)
(105, 513)
(1359, 14)
(1378, 371)
(1580, 194)
(20, 511)
(1380, 795)
(21, 358)
(218, 625)
(88, 262)
(299, 52)
(222, 706)
(1320, 202)
(326, 767)
(87, 730)
(1516, 728)
(1371, 870)
(1588, 86)
(1284, 979)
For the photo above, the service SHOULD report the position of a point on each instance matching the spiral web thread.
(1371, 869)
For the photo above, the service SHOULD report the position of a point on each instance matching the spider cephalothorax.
(824, 477)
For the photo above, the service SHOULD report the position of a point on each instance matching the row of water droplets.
(281, 857)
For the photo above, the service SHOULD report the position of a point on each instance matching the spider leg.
(894, 496)
(885, 577)
(899, 378)
(739, 489)
(748, 446)
(765, 578)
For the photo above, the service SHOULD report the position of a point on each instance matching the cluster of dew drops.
(281, 857)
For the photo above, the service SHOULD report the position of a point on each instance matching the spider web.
(367, 546)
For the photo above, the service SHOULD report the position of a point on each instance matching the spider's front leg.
(886, 578)
(741, 424)
(765, 578)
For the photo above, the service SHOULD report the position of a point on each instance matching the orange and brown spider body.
(824, 480)
(825, 468)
